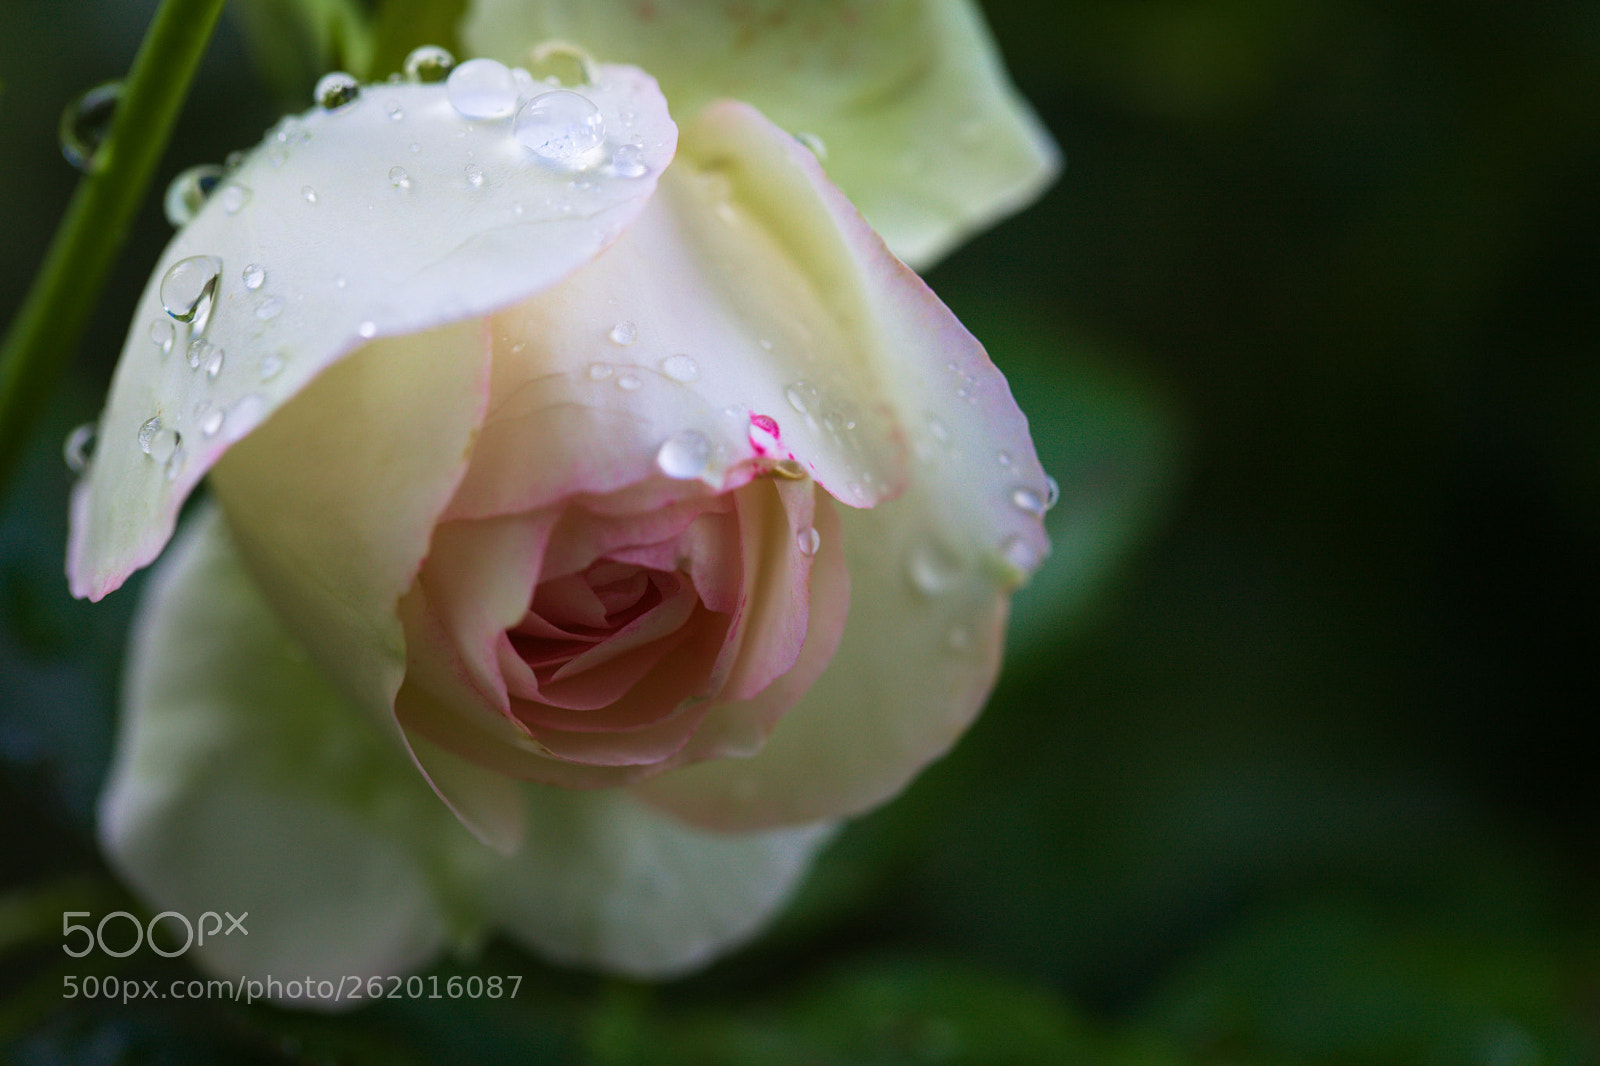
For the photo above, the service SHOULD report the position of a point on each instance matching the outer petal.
(606, 881)
(931, 571)
(921, 128)
(241, 783)
(385, 217)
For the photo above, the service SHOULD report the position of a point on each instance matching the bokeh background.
(1293, 758)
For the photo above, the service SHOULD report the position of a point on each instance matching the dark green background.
(1293, 761)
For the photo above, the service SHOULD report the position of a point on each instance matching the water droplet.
(628, 382)
(339, 281)
(681, 367)
(1025, 499)
(213, 362)
(1052, 492)
(254, 276)
(937, 427)
(428, 64)
(474, 175)
(187, 193)
(212, 422)
(932, 568)
(599, 371)
(198, 351)
(308, 194)
(815, 144)
(78, 450)
(628, 161)
(763, 434)
(1017, 551)
(271, 365)
(560, 126)
(1003, 458)
(85, 123)
(396, 113)
(482, 88)
(624, 333)
(189, 288)
(233, 197)
(147, 431)
(685, 455)
(368, 330)
(163, 443)
(399, 178)
(177, 460)
(335, 90)
(559, 63)
(269, 308)
(802, 396)
(161, 334)
(808, 540)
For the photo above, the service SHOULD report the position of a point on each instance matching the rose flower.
(610, 482)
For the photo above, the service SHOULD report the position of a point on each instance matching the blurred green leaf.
(402, 25)
(295, 42)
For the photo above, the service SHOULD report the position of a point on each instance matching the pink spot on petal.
(763, 434)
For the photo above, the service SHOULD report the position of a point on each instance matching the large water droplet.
(78, 450)
(428, 64)
(482, 88)
(808, 540)
(188, 192)
(624, 333)
(335, 90)
(254, 276)
(681, 367)
(685, 455)
(85, 123)
(560, 126)
(628, 161)
(189, 288)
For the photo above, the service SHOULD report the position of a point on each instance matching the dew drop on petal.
(482, 89)
(396, 113)
(78, 449)
(628, 382)
(213, 362)
(189, 287)
(85, 122)
(1052, 492)
(161, 334)
(932, 569)
(1020, 554)
(428, 64)
(308, 194)
(399, 178)
(1003, 458)
(335, 90)
(815, 144)
(147, 432)
(271, 366)
(177, 460)
(628, 161)
(197, 352)
(599, 371)
(937, 427)
(233, 197)
(254, 276)
(1027, 500)
(681, 367)
(685, 455)
(808, 540)
(162, 443)
(802, 396)
(212, 422)
(560, 126)
(269, 308)
(624, 333)
(368, 330)
(763, 434)
(187, 193)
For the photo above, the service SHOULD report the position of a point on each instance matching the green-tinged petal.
(932, 569)
(603, 880)
(243, 784)
(386, 216)
(917, 120)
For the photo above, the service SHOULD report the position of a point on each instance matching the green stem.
(46, 330)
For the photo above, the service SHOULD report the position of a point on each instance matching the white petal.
(921, 128)
(242, 783)
(390, 215)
